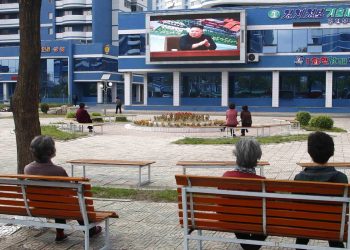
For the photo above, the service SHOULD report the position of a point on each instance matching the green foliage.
(121, 119)
(57, 134)
(70, 115)
(44, 107)
(135, 194)
(97, 119)
(95, 114)
(261, 140)
(321, 121)
(303, 118)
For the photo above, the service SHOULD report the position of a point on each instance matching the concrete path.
(146, 225)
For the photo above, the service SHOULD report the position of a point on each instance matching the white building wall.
(329, 89)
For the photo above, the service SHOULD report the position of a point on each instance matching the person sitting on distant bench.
(43, 150)
(83, 116)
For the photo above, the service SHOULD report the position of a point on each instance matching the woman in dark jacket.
(246, 119)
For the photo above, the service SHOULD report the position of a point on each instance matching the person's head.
(232, 106)
(247, 153)
(43, 148)
(320, 147)
(81, 105)
(245, 108)
(196, 31)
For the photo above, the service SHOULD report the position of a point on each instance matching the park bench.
(216, 164)
(282, 208)
(261, 130)
(114, 163)
(340, 165)
(52, 197)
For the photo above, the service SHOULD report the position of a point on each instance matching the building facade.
(78, 50)
(297, 57)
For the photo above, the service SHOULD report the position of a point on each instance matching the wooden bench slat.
(226, 226)
(10, 188)
(110, 162)
(50, 205)
(227, 209)
(215, 163)
(46, 178)
(249, 202)
(56, 191)
(303, 215)
(11, 195)
(56, 199)
(225, 217)
(307, 233)
(328, 164)
(299, 223)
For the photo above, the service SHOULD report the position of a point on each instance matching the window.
(50, 31)
(50, 15)
(299, 40)
(250, 85)
(284, 39)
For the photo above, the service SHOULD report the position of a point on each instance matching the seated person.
(43, 150)
(320, 147)
(196, 40)
(247, 153)
(83, 116)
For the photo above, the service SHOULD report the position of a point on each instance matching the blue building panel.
(102, 21)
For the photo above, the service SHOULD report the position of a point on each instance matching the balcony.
(74, 35)
(9, 7)
(62, 4)
(75, 19)
(9, 38)
(4, 23)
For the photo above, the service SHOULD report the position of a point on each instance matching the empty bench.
(28, 196)
(294, 209)
(114, 163)
(216, 164)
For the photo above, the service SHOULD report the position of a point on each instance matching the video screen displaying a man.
(196, 40)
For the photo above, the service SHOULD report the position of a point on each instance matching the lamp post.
(105, 86)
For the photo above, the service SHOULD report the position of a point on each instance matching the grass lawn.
(334, 129)
(135, 194)
(261, 140)
(57, 134)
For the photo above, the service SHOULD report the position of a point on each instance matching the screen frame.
(243, 37)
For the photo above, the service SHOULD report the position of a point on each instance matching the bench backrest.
(271, 207)
(49, 197)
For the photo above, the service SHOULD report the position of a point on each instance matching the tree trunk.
(26, 96)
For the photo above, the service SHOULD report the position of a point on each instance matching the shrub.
(303, 118)
(44, 107)
(321, 121)
(70, 115)
(121, 119)
(95, 114)
(97, 119)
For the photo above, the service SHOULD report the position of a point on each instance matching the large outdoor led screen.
(204, 37)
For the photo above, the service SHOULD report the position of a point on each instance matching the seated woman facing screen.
(43, 150)
(247, 153)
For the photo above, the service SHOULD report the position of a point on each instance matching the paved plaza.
(146, 225)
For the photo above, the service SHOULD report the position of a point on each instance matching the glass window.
(284, 41)
(54, 78)
(269, 37)
(130, 45)
(50, 15)
(341, 85)
(250, 85)
(95, 64)
(89, 89)
(9, 65)
(300, 40)
(314, 37)
(200, 88)
(50, 31)
(255, 41)
(329, 40)
(302, 85)
(160, 85)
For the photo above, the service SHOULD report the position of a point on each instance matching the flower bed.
(180, 119)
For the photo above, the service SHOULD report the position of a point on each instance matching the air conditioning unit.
(252, 57)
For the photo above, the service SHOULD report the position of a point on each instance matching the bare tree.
(26, 97)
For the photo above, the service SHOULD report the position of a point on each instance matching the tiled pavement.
(146, 225)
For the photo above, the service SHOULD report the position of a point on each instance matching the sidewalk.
(146, 225)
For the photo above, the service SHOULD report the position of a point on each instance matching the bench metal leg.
(149, 173)
(72, 167)
(84, 171)
(199, 242)
(140, 176)
(107, 234)
(183, 169)
(87, 238)
(261, 170)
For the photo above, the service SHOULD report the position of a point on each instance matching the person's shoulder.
(341, 177)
